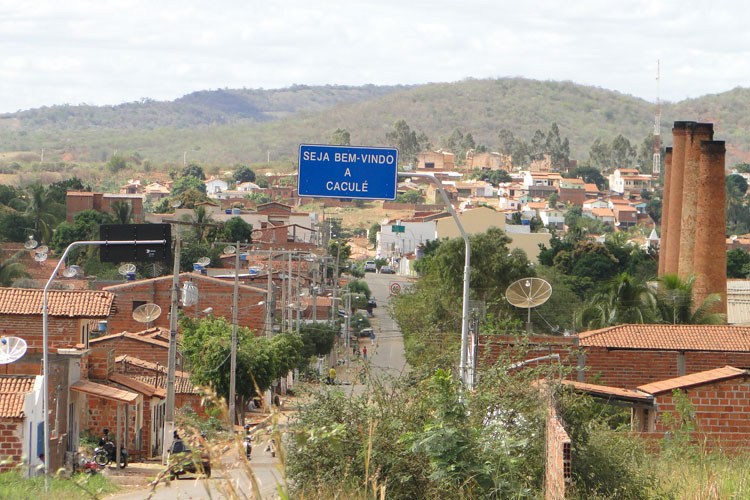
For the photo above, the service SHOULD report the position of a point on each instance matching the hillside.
(227, 126)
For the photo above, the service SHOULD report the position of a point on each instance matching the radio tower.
(657, 128)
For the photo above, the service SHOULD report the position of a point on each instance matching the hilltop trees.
(406, 140)
(341, 137)
(243, 173)
(522, 152)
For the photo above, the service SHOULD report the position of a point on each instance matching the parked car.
(365, 332)
(183, 460)
(387, 270)
(370, 266)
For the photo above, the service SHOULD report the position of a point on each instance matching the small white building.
(392, 243)
(554, 217)
(629, 180)
(214, 185)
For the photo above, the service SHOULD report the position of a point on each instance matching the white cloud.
(116, 51)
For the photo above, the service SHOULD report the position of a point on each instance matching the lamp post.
(45, 336)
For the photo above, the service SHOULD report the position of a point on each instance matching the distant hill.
(227, 126)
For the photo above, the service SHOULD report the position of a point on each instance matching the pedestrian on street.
(331, 375)
(372, 338)
(364, 353)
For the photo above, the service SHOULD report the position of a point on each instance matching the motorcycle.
(247, 443)
(83, 464)
(106, 453)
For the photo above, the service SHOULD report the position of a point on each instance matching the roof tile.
(66, 303)
(13, 390)
(700, 378)
(670, 337)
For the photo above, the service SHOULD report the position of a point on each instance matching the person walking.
(331, 375)
(364, 353)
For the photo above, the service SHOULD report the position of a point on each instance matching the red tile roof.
(13, 390)
(152, 339)
(66, 303)
(127, 359)
(700, 378)
(105, 391)
(182, 385)
(670, 337)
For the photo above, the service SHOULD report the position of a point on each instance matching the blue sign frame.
(369, 173)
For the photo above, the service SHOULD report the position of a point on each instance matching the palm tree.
(201, 219)
(11, 269)
(121, 212)
(42, 212)
(627, 300)
(674, 301)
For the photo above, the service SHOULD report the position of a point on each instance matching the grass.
(13, 486)
(705, 476)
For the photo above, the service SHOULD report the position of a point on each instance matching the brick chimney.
(696, 133)
(676, 180)
(710, 257)
(665, 211)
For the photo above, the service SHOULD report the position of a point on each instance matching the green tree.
(411, 196)
(116, 164)
(627, 300)
(11, 269)
(121, 212)
(406, 140)
(589, 174)
(236, 229)
(194, 170)
(59, 190)
(317, 338)
(13, 226)
(341, 137)
(653, 209)
(676, 304)
(258, 198)
(738, 263)
(243, 173)
(738, 182)
(201, 221)
(373, 233)
(187, 183)
(41, 212)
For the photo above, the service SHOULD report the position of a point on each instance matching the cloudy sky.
(109, 52)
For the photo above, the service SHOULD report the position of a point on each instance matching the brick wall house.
(720, 398)
(73, 314)
(77, 201)
(149, 345)
(20, 421)
(630, 355)
(212, 292)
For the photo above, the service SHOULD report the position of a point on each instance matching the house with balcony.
(629, 180)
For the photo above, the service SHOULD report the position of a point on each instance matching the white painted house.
(214, 185)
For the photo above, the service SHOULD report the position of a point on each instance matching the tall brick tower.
(695, 133)
(710, 257)
(665, 211)
(694, 211)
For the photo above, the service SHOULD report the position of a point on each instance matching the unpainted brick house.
(73, 314)
(212, 292)
(628, 356)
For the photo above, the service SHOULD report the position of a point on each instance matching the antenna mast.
(657, 128)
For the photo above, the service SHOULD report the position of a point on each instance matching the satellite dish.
(30, 244)
(126, 269)
(175, 204)
(69, 272)
(146, 313)
(43, 249)
(40, 256)
(229, 250)
(528, 293)
(203, 261)
(11, 349)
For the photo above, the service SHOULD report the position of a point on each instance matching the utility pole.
(270, 297)
(233, 355)
(172, 356)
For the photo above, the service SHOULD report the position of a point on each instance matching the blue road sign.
(347, 172)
